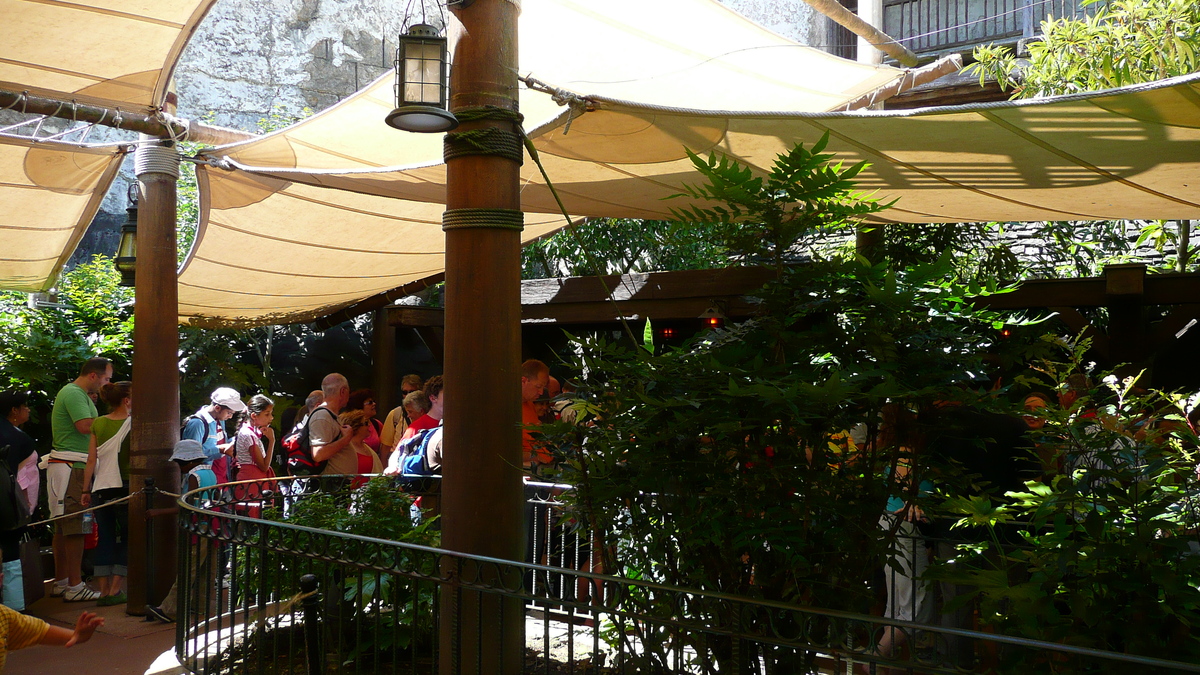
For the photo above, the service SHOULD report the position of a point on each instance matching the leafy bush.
(42, 349)
(1106, 555)
(377, 612)
(727, 465)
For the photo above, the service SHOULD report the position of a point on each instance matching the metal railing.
(295, 599)
(935, 25)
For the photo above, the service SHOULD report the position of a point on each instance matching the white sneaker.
(58, 588)
(81, 593)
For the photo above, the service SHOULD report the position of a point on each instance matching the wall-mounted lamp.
(126, 262)
(713, 318)
(422, 82)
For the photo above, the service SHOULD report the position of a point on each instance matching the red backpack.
(298, 448)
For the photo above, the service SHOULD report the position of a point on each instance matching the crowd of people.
(87, 470)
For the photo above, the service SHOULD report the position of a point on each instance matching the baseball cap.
(229, 398)
(188, 450)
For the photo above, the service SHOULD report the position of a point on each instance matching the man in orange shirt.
(534, 376)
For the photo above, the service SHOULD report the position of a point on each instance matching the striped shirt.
(18, 631)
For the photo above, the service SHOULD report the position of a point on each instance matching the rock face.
(254, 57)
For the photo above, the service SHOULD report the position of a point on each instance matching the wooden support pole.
(875, 37)
(383, 362)
(155, 370)
(482, 493)
(871, 12)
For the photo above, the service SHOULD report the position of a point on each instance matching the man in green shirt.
(71, 423)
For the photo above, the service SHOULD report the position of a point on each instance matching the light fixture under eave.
(422, 76)
(126, 261)
(712, 318)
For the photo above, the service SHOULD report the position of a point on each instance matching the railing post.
(1027, 22)
(312, 625)
(148, 492)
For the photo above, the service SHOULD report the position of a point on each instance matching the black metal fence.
(934, 25)
(262, 596)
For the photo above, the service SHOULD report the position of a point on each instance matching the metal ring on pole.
(502, 219)
(152, 158)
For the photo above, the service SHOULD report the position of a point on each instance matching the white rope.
(156, 159)
(79, 514)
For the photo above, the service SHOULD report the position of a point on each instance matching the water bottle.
(89, 523)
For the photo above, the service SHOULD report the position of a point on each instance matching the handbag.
(31, 570)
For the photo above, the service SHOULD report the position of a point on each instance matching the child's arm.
(87, 624)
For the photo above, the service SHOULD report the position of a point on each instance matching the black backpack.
(298, 447)
(14, 510)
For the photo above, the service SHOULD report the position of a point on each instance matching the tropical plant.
(776, 218)
(42, 347)
(730, 464)
(1125, 42)
(1101, 552)
(621, 246)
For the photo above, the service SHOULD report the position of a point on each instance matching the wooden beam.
(483, 501)
(161, 125)
(726, 282)
(911, 79)
(376, 302)
(879, 39)
(416, 317)
(602, 312)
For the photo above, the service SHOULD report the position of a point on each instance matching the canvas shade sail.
(308, 252)
(115, 53)
(1127, 153)
(50, 192)
(276, 246)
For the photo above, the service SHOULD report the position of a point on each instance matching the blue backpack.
(414, 460)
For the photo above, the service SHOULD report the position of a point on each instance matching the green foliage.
(1126, 42)
(763, 219)
(42, 349)
(377, 613)
(976, 249)
(1105, 552)
(622, 246)
(726, 465)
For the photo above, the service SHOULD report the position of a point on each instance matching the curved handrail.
(199, 514)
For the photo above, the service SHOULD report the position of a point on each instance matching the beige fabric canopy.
(116, 53)
(50, 193)
(1129, 153)
(275, 246)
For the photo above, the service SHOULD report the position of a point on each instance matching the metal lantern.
(126, 262)
(422, 74)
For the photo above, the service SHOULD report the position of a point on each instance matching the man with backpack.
(328, 439)
(207, 427)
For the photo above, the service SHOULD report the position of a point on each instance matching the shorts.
(64, 485)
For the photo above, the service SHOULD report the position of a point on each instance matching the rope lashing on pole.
(501, 219)
(494, 141)
(156, 159)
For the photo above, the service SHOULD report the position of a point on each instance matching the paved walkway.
(126, 645)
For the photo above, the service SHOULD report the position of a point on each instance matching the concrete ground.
(125, 645)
